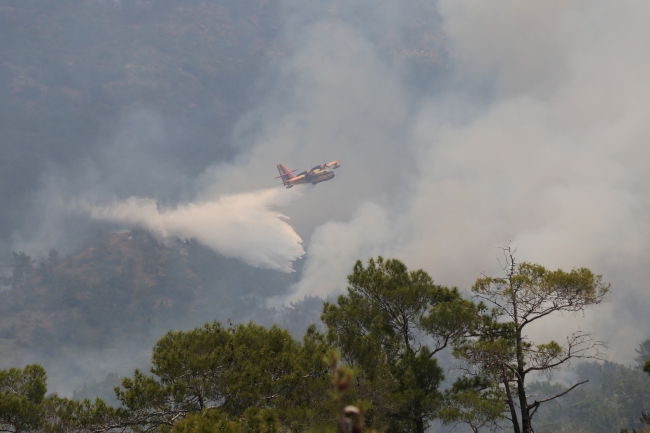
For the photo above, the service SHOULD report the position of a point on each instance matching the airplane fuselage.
(318, 174)
(312, 177)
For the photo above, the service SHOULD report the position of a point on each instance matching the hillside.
(118, 98)
(127, 286)
(72, 70)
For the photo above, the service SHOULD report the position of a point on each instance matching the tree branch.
(559, 395)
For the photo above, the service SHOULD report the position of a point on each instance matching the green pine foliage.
(501, 349)
(388, 328)
(473, 401)
(254, 420)
(230, 369)
(22, 394)
(643, 353)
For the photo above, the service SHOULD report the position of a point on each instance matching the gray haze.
(460, 126)
(537, 139)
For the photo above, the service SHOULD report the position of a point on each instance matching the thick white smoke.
(536, 132)
(242, 226)
(539, 138)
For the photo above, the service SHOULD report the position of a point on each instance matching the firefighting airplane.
(314, 175)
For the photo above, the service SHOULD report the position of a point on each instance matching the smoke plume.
(240, 226)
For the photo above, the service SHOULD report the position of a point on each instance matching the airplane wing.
(332, 164)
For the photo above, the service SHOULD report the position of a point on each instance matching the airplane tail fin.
(285, 174)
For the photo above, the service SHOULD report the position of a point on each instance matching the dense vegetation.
(388, 328)
(124, 286)
(72, 71)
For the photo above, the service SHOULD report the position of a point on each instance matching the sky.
(527, 129)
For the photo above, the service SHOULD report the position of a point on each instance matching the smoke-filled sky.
(527, 127)
(538, 139)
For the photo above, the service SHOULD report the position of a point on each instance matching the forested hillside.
(71, 73)
(375, 368)
(71, 70)
(614, 398)
(125, 286)
(102, 99)
(453, 124)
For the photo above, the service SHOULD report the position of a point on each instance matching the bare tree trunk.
(510, 401)
(521, 388)
(523, 404)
